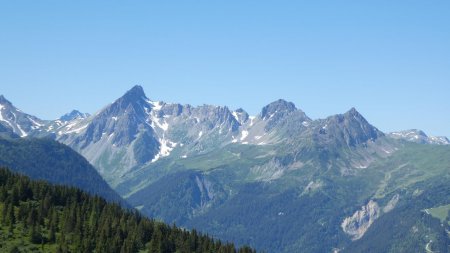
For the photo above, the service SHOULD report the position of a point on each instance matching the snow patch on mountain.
(164, 150)
(22, 133)
(244, 135)
(235, 115)
(156, 105)
(76, 130)
(35, 123)
(252, 119)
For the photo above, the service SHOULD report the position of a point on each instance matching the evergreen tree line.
(67, 219)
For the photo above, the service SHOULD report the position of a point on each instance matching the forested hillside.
(36, 216)
(54, 162)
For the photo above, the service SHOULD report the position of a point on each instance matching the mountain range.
(279, 181)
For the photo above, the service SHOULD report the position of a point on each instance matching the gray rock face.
(357, 224)
(277, 109)
(241, 116)
(350, 129)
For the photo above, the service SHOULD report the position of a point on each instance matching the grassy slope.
(440, 212)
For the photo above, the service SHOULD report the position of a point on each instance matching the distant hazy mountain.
(419, 136)
(279, 181)
(74, 114)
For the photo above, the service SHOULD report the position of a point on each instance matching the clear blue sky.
(389, 59)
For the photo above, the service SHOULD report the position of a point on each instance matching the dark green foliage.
(284, 216)
(54, 162)
(186, 191)
(65, 219)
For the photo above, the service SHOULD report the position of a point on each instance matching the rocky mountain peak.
(133, 101)
(277, 107)
(74, 114)
(351, 126)
(355, 116)
(135, 93)
(353, 113)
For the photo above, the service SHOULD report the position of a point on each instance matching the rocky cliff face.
(357, 224)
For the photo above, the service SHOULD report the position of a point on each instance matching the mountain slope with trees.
(36, 216)
(54, 162)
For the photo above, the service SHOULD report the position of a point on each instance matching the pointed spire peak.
(134, 100)
(132, 96)
(136, 92)
(352, 111)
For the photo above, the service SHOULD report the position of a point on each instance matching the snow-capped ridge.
(419, 136)
(17, 121)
